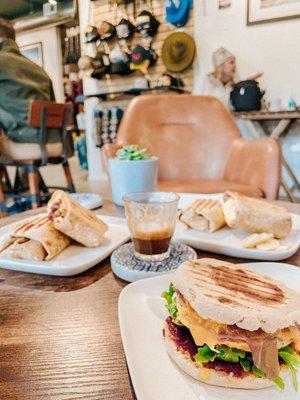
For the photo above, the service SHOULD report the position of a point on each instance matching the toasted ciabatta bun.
(213, 376)
(257, 216)
(231, 294)
(203, 215)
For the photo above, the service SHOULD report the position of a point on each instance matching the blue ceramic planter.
(131, 177)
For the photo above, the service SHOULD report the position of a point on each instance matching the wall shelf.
(116, 95)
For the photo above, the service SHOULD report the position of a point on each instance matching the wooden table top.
(59, 336)
(267, 115)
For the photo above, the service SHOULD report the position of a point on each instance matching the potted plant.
(132, 170)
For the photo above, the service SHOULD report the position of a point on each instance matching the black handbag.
(246, 96)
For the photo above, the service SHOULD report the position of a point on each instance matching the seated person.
(220, 82)
(21, 80)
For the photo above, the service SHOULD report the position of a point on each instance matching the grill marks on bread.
(203, 204)
(32, 224)
(240, 286)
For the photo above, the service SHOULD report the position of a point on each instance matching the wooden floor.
(54, 176)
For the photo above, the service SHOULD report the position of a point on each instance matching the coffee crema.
(152, 242)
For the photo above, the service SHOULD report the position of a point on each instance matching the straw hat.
(178, 51)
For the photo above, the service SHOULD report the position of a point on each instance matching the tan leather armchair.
(199, 146)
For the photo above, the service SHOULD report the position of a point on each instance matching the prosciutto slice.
(263, 347)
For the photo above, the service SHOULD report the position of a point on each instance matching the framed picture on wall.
(261, 11)
(34, 52)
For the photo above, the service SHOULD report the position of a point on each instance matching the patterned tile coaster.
(126, 266)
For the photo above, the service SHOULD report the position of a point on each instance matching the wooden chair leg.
(34, 186)
(43, 187)
(66, 167)
(17, 183)
(7, 184)
(3, 209)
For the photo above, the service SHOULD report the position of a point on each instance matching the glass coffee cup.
(151, 217)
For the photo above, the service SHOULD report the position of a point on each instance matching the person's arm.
(255, 76)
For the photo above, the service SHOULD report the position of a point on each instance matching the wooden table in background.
(59, 336)
(285, 120)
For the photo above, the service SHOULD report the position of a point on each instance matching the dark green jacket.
(20, 81)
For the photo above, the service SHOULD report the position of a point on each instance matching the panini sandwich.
(231, 327)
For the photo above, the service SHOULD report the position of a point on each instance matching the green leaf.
(169, 294)
(287, 349)
(290, 357)
(292, 360)
(279, 382)
(229, 354)
(246, 364)
(258, 372)
(171, 305)
(205, 354)
(132, 152)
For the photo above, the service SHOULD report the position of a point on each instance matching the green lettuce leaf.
(292, 360)
(246, 364)
(205, 354)
(279, 382)
(229, 354)
(258, 372)
(171, 305)
(224, 353)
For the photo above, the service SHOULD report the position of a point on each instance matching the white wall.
(270, 47)
(52, 54)
(96, 172)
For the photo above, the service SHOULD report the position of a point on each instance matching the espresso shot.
(151, 219)
(153, 242)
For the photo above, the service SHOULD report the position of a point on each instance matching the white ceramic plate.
(154, 375)
(75, 258)
(88, 200)
(228, 241)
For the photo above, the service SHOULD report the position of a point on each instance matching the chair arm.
(108, 150)
(256, 163)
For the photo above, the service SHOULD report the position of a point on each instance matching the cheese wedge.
(257, 238)
(271, 244)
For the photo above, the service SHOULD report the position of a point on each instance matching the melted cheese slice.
(205, 331)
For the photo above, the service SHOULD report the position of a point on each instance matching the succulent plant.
(132, 152)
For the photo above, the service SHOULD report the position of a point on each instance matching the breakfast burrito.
(76, 221)
(37, 240)
(256, 216)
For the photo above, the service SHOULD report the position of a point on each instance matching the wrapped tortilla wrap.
(41, 231)
(76, 221)
(204, 215)
(23, 248)
(257, 216)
